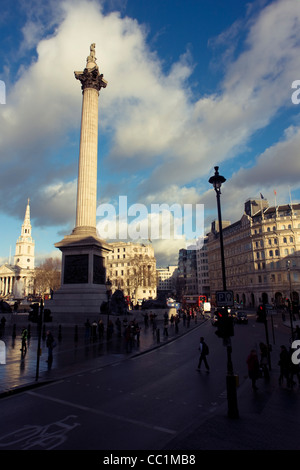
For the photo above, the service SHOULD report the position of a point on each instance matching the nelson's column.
(83, 275)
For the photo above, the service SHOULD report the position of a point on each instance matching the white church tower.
(24, 257)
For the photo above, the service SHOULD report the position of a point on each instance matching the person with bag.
(204, 351)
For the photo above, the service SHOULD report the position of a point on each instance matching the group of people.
(259, 368)
(129, 330)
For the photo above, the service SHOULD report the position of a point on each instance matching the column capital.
(90, 77)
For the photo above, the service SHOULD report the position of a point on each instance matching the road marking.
(102, 413)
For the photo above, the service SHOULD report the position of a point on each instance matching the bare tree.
(142, 273)
(47, 276)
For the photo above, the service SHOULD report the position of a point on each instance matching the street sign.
(224, 298)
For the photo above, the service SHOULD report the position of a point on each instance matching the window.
(271, 253)
(284, 240)
(291, 240)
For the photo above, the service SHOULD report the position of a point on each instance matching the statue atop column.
(90, 77)
(92, 56)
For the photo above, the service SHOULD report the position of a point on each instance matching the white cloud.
(152, 119)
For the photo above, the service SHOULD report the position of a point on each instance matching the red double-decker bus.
(194, 300)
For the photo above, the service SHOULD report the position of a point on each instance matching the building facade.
(166, 279)
(187, 281)
(202, 268)
(17, 280)
(131, 267)
(262, 257)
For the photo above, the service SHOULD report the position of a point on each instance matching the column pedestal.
(83, 276)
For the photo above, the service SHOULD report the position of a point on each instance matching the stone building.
(262, 257)
(166, 279)
(17, 280)
(202, 269)
(131, 267)
(187, 281)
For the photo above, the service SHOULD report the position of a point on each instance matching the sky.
(191, 85)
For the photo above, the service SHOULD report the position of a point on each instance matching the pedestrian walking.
(24, 337)
(264, 360)
(100, 329)
(294, 368)
(87, 326)
(285, 366)
(204, 351)
(177, 320)
(94, 331)
(166, 326)
(253, 368)
(50, 343)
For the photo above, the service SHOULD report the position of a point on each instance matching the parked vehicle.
(241, 317)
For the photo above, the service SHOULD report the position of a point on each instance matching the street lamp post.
(288, 266)
(108, 285)
(217, 180)
(40, 324)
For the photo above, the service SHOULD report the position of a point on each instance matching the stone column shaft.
(87, 170)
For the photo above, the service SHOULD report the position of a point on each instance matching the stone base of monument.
(75, 304)
(83, 277)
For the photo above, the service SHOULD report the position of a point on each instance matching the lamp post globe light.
(217, 180)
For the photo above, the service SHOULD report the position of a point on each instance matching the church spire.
(24, 256)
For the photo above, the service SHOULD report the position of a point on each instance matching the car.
(241, 317)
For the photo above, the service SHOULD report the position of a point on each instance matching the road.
(138, 403)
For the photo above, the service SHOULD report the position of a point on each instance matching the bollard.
(59, 333)
(76, 333)
(158, 335)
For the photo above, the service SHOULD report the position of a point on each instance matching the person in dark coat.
(204, 351)
(253, 368)
(285, 365)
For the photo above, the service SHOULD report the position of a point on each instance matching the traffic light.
(47, 315)
(261, 313)
(34, 313)
(225, 327)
